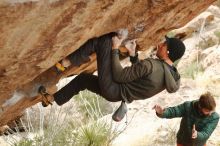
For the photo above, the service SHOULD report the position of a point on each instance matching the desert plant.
(217, 34)
(92, 105)
(60, 130)
(25, 142)
(206, 43)
(98, 133)
(192, 70)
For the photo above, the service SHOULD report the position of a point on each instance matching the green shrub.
(95, 134)
(92, 105)
(98, 133)
(25, 142)
(206, 43)
(60, 131)
(192, 70)
(217, 33)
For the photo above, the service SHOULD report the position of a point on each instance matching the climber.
(198, 122)
(143, 79)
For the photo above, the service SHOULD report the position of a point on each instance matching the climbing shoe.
(45, 101)
(60, 67)
(120, 112)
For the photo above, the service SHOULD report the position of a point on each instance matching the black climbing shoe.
(120, 112)
(45, 101)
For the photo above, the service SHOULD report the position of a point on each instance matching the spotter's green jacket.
(188, 111)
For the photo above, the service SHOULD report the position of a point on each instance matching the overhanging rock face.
(35, 35)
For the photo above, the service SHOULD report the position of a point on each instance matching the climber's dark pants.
(102, 84)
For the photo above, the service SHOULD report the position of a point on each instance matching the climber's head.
(173, 48)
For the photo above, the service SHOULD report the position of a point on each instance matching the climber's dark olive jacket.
(190, 115)
(145, 78)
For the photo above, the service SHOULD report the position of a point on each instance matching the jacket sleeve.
(207, 130)
(128, 74)
(173, 112)
(172, 78)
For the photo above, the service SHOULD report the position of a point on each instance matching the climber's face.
(206, 112)
(162, 51)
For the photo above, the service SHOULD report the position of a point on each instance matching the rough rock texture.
(37, 34)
